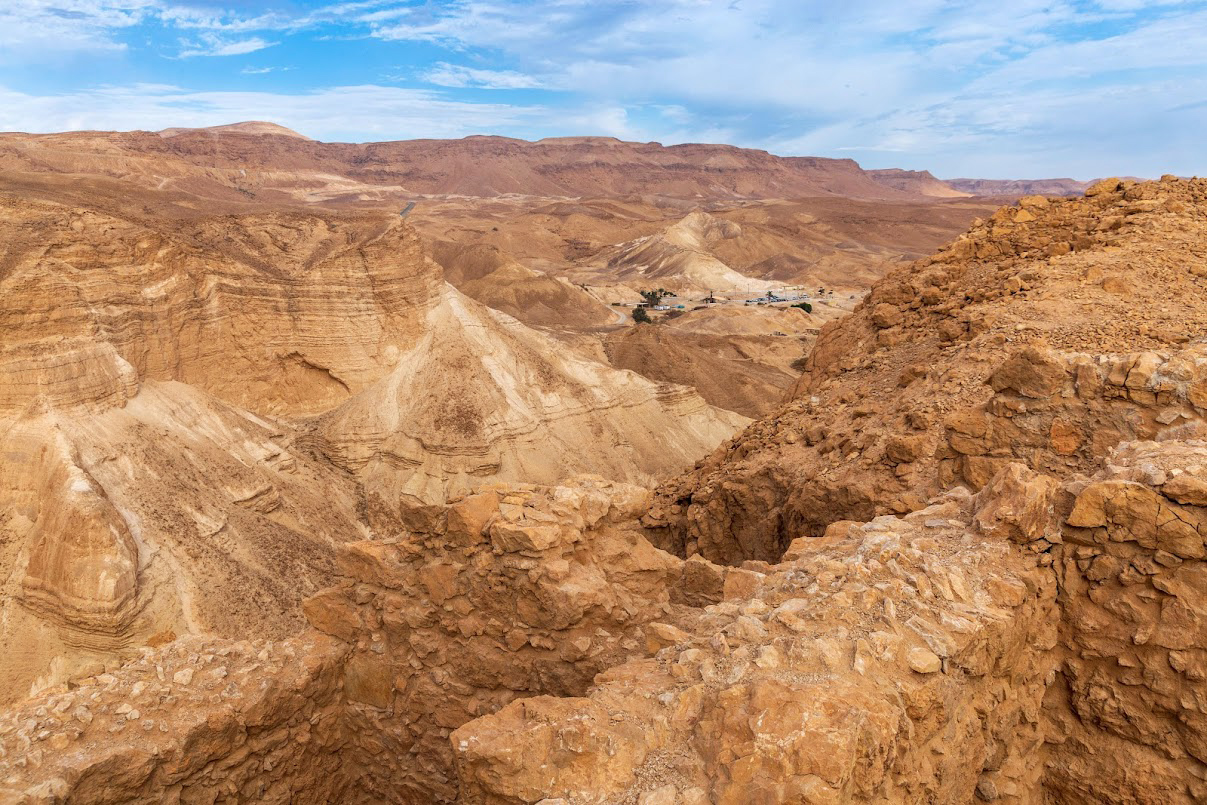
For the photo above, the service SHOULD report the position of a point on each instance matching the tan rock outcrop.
(903, 662)
(1126, 716)
(185, 398)
(1001, 354)
(1026, 626)
(1032, 642)
(509, 593)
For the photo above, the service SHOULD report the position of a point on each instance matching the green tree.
(653, 298)
(640, 316)
(805, 306)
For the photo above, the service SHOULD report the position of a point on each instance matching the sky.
(979, 88)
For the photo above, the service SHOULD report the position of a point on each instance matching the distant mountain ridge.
(268, 161)
(262, 157)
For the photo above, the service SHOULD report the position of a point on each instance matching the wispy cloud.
(957, 86)
(455, 75)
(41, 29)
(365, 112)
(214, 45)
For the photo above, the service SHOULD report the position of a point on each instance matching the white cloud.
(454, 75)
(1032, 86)
(364, 112)
(40, 30)
(213, 45)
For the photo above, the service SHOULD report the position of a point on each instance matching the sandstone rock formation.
(963, 563)
(195, 410)
(679, 259)
(1047, 335)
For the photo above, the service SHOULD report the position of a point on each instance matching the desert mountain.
(480, 397)
(920, 182)
(250, 127)
(1020, 187)
(679, 258)
(963, 563)
(196, 409)
(277, 164)
(958, 364)
(749, 374)
(497, 280)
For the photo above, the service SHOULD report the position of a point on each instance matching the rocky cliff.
(1036, 641)
(1046, 335)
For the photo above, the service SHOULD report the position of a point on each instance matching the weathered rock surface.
(1026, 625)
(1128, 722)
(903, 661)
(201, 720)
(1036, 641)
(1008, 345)
(508, 593)
(195, 409)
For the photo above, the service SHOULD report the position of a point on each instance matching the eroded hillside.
(964, 564)
(1034, 337)
(196, 410)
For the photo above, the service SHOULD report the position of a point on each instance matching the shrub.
(655, 297)
(640, 316)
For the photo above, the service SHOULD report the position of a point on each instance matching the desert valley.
(588, 471)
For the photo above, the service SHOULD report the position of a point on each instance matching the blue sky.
(1027, 88)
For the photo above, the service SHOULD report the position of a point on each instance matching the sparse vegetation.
(805, 306)
(640, 316)
(655, 297)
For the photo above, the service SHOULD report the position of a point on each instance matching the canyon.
(334, 473)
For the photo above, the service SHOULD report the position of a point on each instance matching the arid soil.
(304, 501)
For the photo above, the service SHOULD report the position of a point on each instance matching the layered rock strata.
(196, 411)
(1033, 633)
